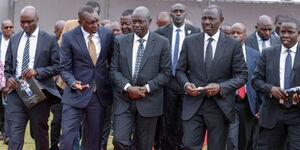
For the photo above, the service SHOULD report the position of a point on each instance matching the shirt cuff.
(147, 87)
(185, 85)
(72, 85)
(126, 86)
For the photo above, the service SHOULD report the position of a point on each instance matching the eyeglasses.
(11, 27)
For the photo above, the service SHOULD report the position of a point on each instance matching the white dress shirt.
(244, 52)
(95, 39)
(283, 55)
(3, 49)
(32, 49)
(181, 38)
(135, 47)
(260, 42)
(213, 43)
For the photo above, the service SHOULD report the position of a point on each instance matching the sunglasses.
(8, 27)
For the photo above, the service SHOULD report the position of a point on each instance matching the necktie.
(242, 92)
(92, 49)
(176, 51)
(138, 61)
(25, 60)
(208, 57)
(287, 75)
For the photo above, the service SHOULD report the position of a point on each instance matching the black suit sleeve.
(9, 71)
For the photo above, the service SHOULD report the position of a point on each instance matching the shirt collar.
(34, 34)
(181, 28)
(86, 34)
(293, 49)
(215, 36)
(136, 38)
(4, 38)
(259, 38)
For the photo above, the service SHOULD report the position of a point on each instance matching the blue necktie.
(138, 61)
(208, 57)
(176, 51)
(287, 75)
(25, 61)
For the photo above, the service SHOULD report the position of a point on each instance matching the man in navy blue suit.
(85, 55)
(242, 130)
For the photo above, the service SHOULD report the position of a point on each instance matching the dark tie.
(176, 51)
(208, 57)
(25, 61)
(138, 61)
(287, 75)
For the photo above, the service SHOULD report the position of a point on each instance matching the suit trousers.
(210, 117)
(144, 130)
(2, 116)
(107, 126)
(172, 114)
(19, 115)
(242, 131)
(92, 119)
(55, 126)
(287, 128)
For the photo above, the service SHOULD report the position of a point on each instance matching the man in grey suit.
(211, 68)
(140, 67)
(175, 32)
(31, 53)
(262, 38)
(278, 69)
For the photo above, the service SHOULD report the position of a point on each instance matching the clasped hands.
(279, 93)
(137, 92)
(211, 89)
(27, 74)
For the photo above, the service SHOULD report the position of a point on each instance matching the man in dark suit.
(210, 83)
(277, 23)
(278, 69)
(85, 54)
(262, 38)
(31, 53)
(242, 131)
(141, 66)
(174, 93)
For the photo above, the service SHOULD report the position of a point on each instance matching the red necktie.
(242, 92)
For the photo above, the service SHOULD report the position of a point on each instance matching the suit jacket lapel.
(15, 48)
(170, 33)
(40, 43)
(187, 30)
(276, 62)
(129, 46)
(81, 43)
(200, 52)
(148, 49)
(102, 43)
(296, 63)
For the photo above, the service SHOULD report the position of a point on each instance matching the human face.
(8, 29)
(29, 22)
(178, 14)
(238, 33)
(211, 21)
(90, 22)
(116, 30)
(58, 31)
(140, 25)
(126, 25)
(289, 34)
(264, 31)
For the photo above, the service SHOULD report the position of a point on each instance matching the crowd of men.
(168, 89)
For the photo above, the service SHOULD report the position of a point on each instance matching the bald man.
(140, 67)
(262, 38)
(163, 19)
(32, 54)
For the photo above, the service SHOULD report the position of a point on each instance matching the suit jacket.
(46, 61)
(252, 56)
(266, 76)
(230, 72)
(76, 65)
(251, 41)
(155, 71)
(167, 31)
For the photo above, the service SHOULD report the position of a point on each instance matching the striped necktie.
(25, 61)
(139, 57)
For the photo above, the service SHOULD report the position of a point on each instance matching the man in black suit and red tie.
(211, 68)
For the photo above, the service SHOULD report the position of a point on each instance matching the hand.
(29, 73)
(5, 90)
(212, 89)
(279, 93)
(296, 98)
(191, 89)
(144, 90)
(135, 92)
(257, 115)
(77, 86)
(12, 83)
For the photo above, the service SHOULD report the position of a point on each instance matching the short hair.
(280, 16)
(85, 9)
(292, 20)
(127, 12)
(218, 9)
(93, 4)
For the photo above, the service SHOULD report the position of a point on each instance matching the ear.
(255, 27)
(150, 20)
(221, 19)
